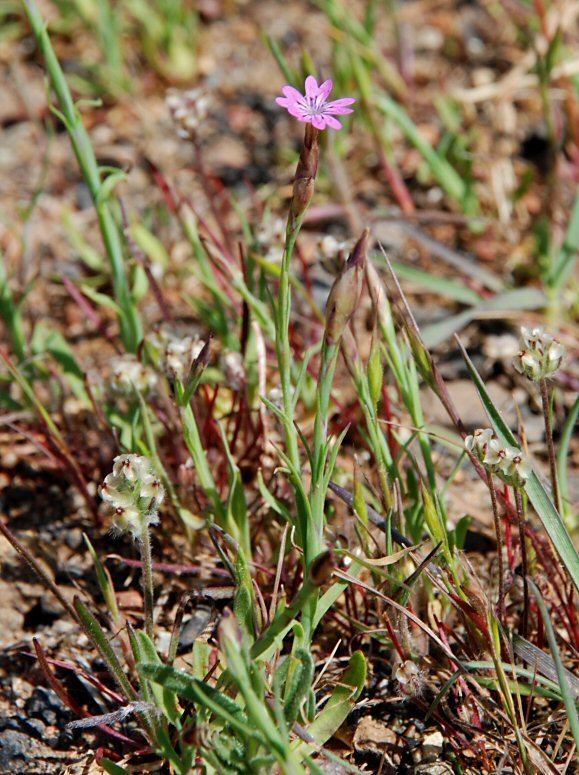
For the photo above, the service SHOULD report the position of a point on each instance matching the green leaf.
(200, 693)
(107, 186)
(105, 583)
(164, 697)
(45, 339)
(568, 698)
(112, 768)
(516, 299)
(542, 504)
(445, 174)
(300, 673)
(565, 261)
(341, 701)
(450, 289)
(101, 643)
(150, 245)
(563, 453)
(100, 298)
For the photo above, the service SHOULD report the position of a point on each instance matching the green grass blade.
(96, 634)
(565, 261)
(445, 174)
(563, 452)
(566, 692)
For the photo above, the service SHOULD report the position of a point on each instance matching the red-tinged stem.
(524, 560)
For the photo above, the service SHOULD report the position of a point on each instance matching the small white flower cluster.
(135, 493)
(189, 109)
(507, 462)
(173, 354)
(129, 375)
(539, 356)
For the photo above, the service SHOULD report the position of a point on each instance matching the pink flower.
(314, 108)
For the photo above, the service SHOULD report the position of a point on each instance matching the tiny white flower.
(493, 453)
(531, 365)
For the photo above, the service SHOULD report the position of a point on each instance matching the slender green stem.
(319, 455)
(499, 535)
(283, 346)
(144, 540)
(197, 451)
(524, 560)
(550, 445)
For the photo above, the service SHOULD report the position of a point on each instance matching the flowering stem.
(524, 560)
(283, 346)
(319, 456)
(499, 535)
(144, 540)
(550, 445)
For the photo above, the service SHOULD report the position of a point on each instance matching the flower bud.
(306, 172)
(345, 292)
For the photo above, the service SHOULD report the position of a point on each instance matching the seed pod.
(345, 292)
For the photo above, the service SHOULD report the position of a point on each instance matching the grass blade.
(566, 692)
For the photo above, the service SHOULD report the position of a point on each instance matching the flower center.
(313, 106)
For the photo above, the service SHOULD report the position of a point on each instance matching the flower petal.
(312, 89)
(292, 94)
(333, 122)
(339, 107)
(319, 122)
(325, 89)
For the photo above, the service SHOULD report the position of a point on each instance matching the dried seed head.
(134, 492)
(190, 110)
(410, 679)
(129, 375)
(540, 355)
(173, 354)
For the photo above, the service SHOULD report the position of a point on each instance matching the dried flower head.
(135, 493)
(173, 354)
(539, 356)
(189, 110)
(410, 679)
(129, 375)
(313, 106)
